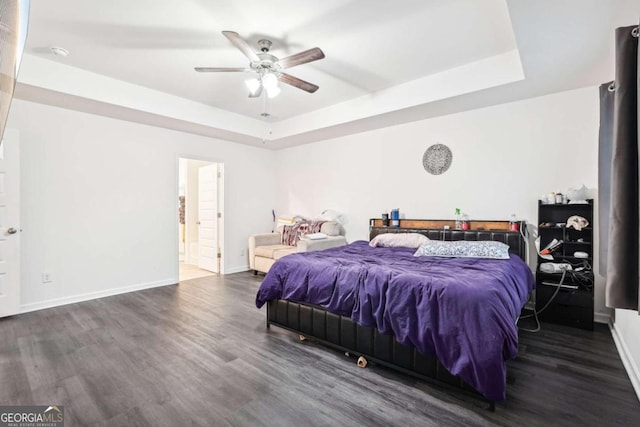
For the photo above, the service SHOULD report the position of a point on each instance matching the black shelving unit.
(573, 303)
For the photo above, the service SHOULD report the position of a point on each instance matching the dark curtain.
(605, 148)
(624, 234)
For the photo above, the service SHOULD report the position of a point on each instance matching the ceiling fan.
(268, 67)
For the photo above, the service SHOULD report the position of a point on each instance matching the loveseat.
(265, 249)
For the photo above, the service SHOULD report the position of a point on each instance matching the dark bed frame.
(340, 332)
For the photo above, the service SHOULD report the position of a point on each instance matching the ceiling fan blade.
(257, 93)
(219, 69)
(241, 44)
(302, 58)
(296, 82)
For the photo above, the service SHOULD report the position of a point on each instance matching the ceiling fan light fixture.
(253, 85)
(270, 81)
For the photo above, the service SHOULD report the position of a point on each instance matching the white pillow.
(331, 215)
(331, 228)
(398, 240)
(464, 249)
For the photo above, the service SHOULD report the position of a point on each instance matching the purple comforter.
(461, 310)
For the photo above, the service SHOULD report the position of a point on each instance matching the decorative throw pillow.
(289, 234)
(292, 233)
(464, 249)
(398, 240)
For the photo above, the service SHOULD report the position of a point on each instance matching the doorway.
(200, 218)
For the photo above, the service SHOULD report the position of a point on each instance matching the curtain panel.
(623, 279)
(605, 148)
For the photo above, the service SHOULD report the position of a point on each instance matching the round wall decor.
(437, 159)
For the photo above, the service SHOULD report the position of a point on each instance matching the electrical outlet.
(241, 252)
(46, 278)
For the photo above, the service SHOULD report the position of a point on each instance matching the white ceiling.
(386, 62)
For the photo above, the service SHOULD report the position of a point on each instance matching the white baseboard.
(56, 302)
(237, 269)
(628, 361)
(602, 318)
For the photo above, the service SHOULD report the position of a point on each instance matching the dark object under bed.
(358, 298)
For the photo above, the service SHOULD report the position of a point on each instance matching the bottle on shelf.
(513, 223)
(458, 216)
(465, 222)
(385, 219)
(395, 217)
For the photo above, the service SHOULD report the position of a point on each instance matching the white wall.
(99, 207)
(504, 158)
(627, 332)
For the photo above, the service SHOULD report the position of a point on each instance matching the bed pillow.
(331, 228)
(398, 240)
(464, 249)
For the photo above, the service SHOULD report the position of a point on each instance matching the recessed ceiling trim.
(490, 72)
(62, 78)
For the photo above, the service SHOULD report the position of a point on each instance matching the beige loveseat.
(265, 249)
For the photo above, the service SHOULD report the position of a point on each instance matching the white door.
(208, 218)
(10, 223)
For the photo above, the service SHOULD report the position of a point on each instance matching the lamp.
(253, 85)
(270, 84)
(268, 81)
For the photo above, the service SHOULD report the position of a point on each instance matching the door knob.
(11, 230)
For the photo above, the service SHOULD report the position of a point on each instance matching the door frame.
(176, 231)
(13, 248)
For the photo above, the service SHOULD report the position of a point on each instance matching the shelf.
(560, 258)
(568, 280)
(562, 227)
(567, 205)
(572, 303)
(576, 258)
(571, 206)
(560, 274)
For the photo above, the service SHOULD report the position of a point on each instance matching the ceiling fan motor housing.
(265, 45)
(267, 62)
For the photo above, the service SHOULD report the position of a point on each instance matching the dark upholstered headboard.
(514, 239)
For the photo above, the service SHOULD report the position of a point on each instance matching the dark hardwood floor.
(199, 354)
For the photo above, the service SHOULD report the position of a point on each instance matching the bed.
(448, 319)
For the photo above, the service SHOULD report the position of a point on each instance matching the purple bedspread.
(462, 310)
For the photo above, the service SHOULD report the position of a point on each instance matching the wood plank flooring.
(198, 353)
